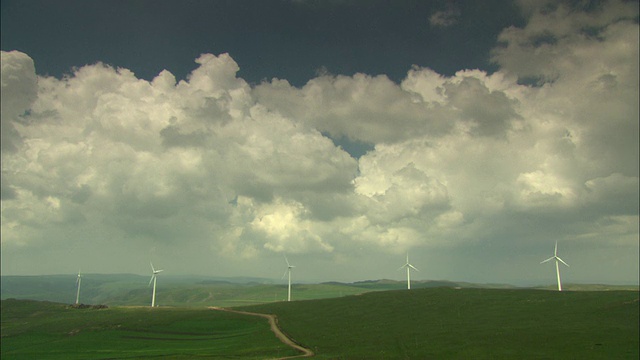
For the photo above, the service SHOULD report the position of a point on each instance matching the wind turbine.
(154, 278)
(78, 282)
(288, 271)
(555, 256)
(409, 267)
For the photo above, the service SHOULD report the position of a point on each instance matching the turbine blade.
(413, 267)
(152, 276)
(555, 251)
(549, 259)
(285, 274)
(158, 271)
(152, 269)
(287, 260)
(562, 261)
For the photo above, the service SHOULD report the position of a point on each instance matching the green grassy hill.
(44, 330)
(430, 323)
(446, 323)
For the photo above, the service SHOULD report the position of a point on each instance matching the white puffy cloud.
(362, 108)
(19, 87)
(213, 165)
(141, 157)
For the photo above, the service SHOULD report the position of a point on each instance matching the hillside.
(446, 323)
(44, 330)
(430, 323)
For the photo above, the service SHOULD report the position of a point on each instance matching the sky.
(214, 137)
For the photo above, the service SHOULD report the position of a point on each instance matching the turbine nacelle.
(288, 264)
(408, 265)
(556, 258)
(289, 267)
(154, 270)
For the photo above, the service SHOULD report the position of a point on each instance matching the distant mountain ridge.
(196, 290)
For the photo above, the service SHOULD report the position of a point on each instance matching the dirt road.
(273, 322)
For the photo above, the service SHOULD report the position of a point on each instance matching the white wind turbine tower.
(154, 278)
(288, 271)
(78, 282)
(555, 256)
(409, 267)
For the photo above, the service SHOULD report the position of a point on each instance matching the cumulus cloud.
(361, 107)
(19, 88)
(560, 39)
(445, 18)
(211, 163)
(108, 142)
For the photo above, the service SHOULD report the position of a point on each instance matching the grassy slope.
(445, 323)
(417, 324)
(42, 330)
(228, 295)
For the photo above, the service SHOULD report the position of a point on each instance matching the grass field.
(431, 323)
(42, 330)
(445, 323)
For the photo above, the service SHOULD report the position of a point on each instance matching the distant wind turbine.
(288, 271)
(78, 282)
(154, 278)
(555, 256)
(409, 267)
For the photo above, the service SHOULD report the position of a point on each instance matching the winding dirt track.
(273, 322)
